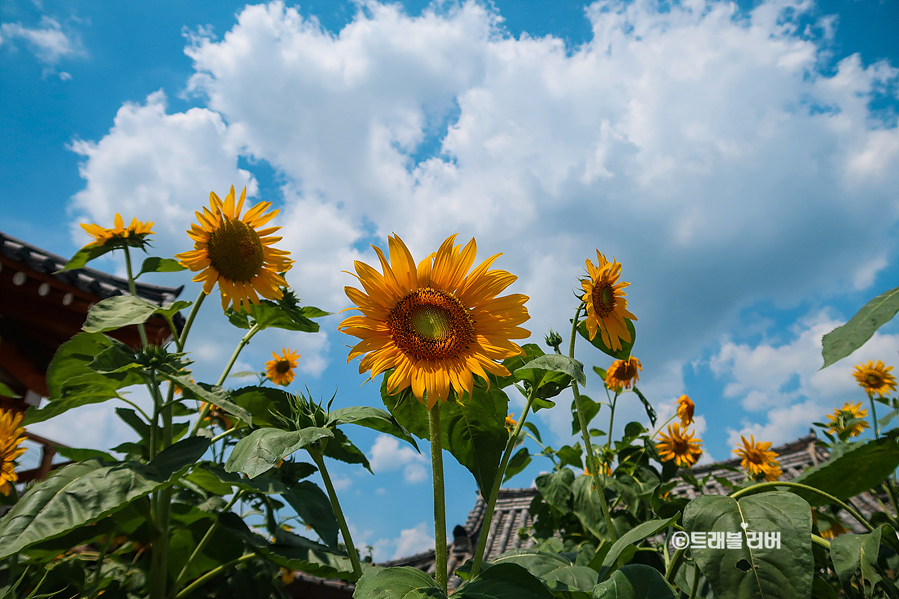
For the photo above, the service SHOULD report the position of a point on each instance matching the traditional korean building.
(41, 308)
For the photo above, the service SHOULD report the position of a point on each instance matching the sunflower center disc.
(235, 250)
(873, 379)
(282, 366)
(430, 325)
(603, 299)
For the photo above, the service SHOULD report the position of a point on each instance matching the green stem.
(212, 574)
(439, 498)
(182, 339)
(202, 544)
(243, 343)
(96, 577)
(220, 436)
(828, 496)
(611, 421)
(319, 460)
(891, 492)
(133, 289)
(874, 416)
(674, 566)
(695, 582)
(821, 542)
(585, 434)
(497, 482)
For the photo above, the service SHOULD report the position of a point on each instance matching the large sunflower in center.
(435, 324)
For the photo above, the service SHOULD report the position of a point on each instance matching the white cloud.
(783, 380)
(48, 42)
(711, 151)
(411, 541)
(386, 455)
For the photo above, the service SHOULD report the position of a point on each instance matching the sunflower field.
(198, 505)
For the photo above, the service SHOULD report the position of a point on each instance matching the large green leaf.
(154, 264)
(852, 469)
(626, 346)
(208, 393)
(85, 492)
(264, 404)
(639, 581)
(397, 583)
(372, 418)
(85, 255)
(636, 534)
(504, 581)
(554, 570)
(215, 479)
(408, 411)
(262, 449)
(851, 553)
(518, 462)
(844, 340)
(341, 448)
(556, 488)
(755, 573)
(299, 553)
(76, 394)
(313, 506)
(116, 312)
(536, 369)
(283, 314)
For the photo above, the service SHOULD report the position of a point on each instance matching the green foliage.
(372, 418)
(264, 448)
(636, 581)
(312, 505)
(154, 264)
(286, 314)
(844, 340)
(123, 310)
(746, 573)
(626, 346)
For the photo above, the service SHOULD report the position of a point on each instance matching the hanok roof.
(40, 309)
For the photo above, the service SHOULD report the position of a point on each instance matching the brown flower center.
(430, 325)
(873, 379)
(282, 367)
(603, 298)
(235, 250)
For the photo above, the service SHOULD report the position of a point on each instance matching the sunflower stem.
(133, 289)
(439, 499)
(497, 482)
(180, 340)
(204, 411)
(611, 421)
(675, 563)
(319, 460)
(874, 416)
(213, 573)
(585, 434)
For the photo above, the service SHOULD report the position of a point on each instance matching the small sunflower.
(623, 373)
(606, 303)
(232, 250)
(839, 420)
(681, 447)
(11, 434)
(280, 370)
(133, 235)
(685, 407)
(216, 415)
(875, 378)
(435, 324)
(758, 460)
(511, 423)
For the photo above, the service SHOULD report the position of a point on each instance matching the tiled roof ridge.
(86, 279)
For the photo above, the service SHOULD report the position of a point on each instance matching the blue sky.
(739, 160)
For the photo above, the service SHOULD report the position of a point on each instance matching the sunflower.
(685, 407)
(875, 378)
(681, 447)
(280, 370)
(10, 437)
(511, 423)
(606, 303)
(757, 458)
(133, 235)
(623, 373)
(233, 251)
(839, 420)
(216, 415)
(435, 324)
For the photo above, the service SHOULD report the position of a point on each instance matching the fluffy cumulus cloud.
(49, 42)
(386, 455)
(782, 381)
(411, 541)
(714, 152)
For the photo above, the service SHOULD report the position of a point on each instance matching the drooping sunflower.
(623, 373)
(839, 420)
(511, 423)
(133, 235)
(606, 302)
(280, 369)
(679, 446)
(875, 378)
(435, 324)
(11, 434)
(758, 459)
(235, 252)
(685, 408)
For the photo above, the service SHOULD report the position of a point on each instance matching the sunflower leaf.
(208, 393)
(85, 255)
(635, 581)
(537, 370)
(154, 264)
(626, 346)
(844, 340)
(262, 449)
(6, 391)
(517, 463)
(650, 411)
(397, 583)
(372, 418)
(116, 312)
(313, 506)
